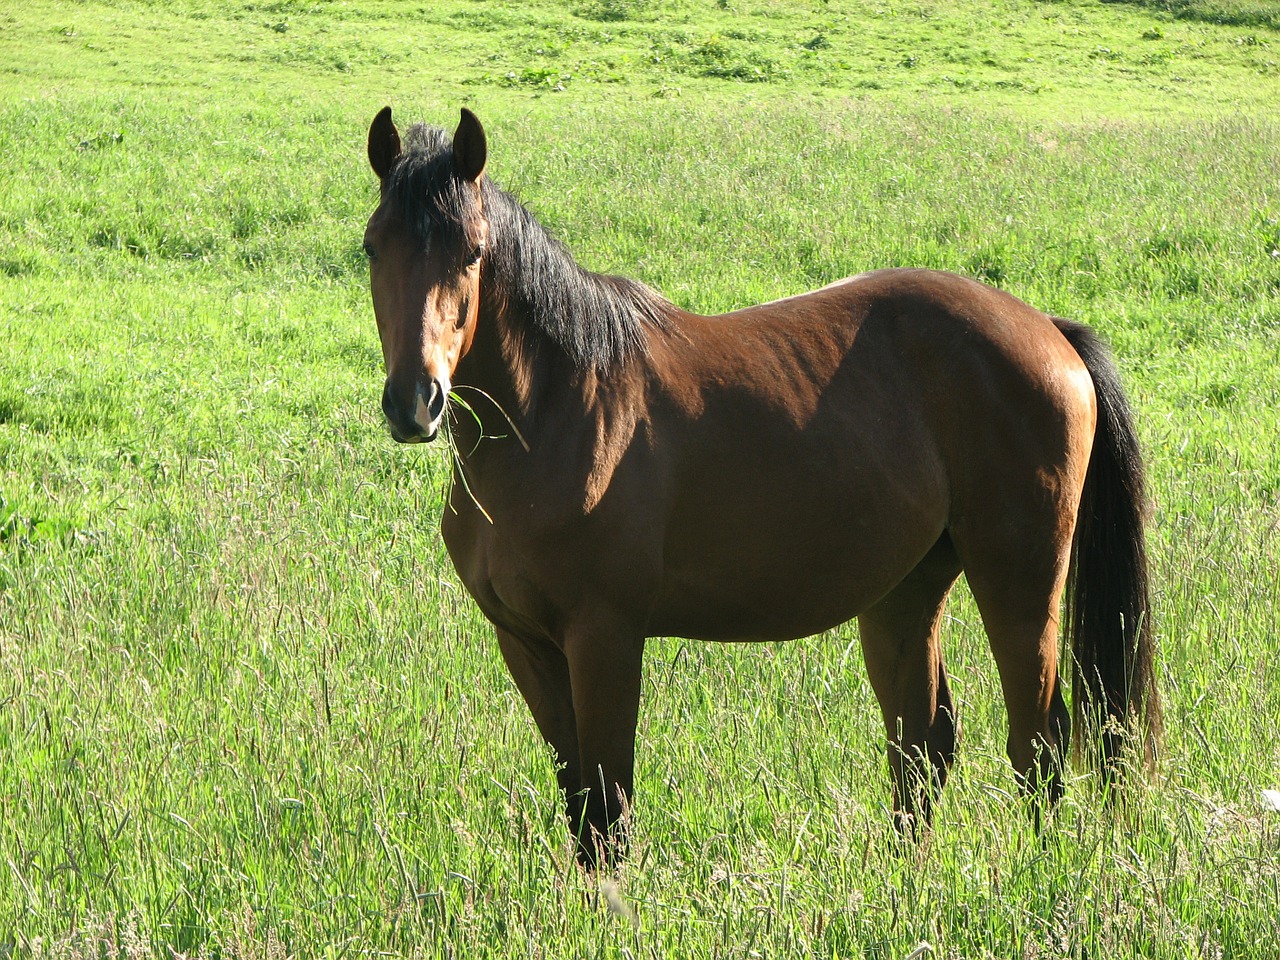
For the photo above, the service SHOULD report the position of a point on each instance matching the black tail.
(1108, 596)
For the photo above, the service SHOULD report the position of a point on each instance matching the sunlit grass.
(246, 710)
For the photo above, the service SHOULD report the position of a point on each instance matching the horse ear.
(470, 149)
(384, 143)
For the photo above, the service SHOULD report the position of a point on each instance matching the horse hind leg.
(900, 644)
(1018, 589)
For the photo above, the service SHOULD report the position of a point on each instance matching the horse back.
(820, 445)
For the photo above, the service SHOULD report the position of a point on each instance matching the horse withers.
(626, 469)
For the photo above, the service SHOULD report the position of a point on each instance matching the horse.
(624, 469)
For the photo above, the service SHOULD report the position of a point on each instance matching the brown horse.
(624, 469)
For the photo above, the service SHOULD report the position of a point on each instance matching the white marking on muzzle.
(422, 404)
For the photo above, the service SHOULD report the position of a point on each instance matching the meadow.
(246, 710)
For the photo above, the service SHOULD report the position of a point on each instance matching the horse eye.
(369, 252)
(475, 255)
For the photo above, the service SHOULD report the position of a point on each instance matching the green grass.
(1240, 13)
(246, 709)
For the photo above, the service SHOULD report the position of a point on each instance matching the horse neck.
(526, 353)
(516, 375)
(506, 376)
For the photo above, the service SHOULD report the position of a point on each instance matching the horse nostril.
(436, 400)
(419, 417)
(388, 404)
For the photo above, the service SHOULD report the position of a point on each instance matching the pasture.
(246, 710)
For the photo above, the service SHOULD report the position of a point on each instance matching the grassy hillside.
(246, 709)
(1057, 59)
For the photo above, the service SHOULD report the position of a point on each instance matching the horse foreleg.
(541, 673)
(605, 671)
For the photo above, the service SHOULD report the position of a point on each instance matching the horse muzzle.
(419, 419)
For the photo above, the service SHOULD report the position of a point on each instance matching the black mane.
(597, 320)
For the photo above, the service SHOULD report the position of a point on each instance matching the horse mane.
(596, 320)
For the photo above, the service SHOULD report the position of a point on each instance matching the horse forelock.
(426, 191)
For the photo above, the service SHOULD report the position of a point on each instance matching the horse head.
(425, 243)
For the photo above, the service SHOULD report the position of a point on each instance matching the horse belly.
(750, 564)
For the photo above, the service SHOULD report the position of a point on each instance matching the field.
(246, 711)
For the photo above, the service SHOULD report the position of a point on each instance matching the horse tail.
(1108, 606)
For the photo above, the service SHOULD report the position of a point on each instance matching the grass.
(246, 710)
(1240, 13)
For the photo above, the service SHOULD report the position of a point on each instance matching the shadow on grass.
(1234, 13)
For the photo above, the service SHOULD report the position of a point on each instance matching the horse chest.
(525, 568)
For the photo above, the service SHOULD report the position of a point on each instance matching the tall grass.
(246, 709)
